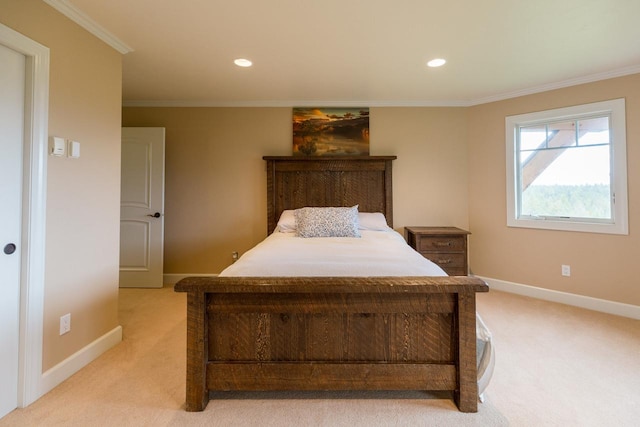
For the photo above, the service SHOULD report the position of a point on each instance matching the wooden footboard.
(331, 333)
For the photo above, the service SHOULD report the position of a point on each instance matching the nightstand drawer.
(445, 260)
(441, 244)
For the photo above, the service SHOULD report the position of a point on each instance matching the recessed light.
(241, 62)
(438, 62)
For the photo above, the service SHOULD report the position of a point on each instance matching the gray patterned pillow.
(327, 222)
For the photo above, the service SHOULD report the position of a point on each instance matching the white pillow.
(287, 222)
(327, 222)
(374, 221)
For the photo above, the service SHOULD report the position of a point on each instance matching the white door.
(142, 208)
(12, 84)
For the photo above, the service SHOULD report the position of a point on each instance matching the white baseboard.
(172, 279)
(79, 360)
(605, 306)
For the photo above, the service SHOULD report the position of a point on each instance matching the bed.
(283, 324)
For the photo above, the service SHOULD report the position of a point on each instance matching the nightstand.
(445, 246)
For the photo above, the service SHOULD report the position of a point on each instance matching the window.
(567, 169)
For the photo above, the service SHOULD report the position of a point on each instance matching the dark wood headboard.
(296, 182)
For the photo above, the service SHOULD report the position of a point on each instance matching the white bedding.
(376, 253)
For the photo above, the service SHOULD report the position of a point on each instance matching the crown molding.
(634, 69)
(80, 18)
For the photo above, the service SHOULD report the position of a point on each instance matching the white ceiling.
(359, 52)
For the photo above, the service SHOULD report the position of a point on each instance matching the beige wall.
(602, 266)
(450, 171)
(82, 225)
(216, 179)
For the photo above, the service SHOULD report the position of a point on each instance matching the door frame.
(34, 192)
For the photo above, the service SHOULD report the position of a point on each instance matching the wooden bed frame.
(331, 333)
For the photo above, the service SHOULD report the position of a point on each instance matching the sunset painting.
(331, 131)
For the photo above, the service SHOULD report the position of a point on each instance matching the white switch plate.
(74, 149)
(65, 323)
(566, 270)
(56, 146)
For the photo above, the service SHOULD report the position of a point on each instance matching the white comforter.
(376, 253)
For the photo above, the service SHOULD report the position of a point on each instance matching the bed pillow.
(374, 221)
(327, 222)
(287, 222)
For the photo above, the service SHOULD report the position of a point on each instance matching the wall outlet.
(566, 270)
(65, 323)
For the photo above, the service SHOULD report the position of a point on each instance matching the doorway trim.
(34, 192)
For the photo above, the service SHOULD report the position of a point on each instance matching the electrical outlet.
(566, 270)
(65, 323)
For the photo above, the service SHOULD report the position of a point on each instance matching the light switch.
(74, 149)
(56, 146)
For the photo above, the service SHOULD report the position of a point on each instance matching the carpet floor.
(555, 366)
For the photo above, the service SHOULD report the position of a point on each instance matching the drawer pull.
(444, 261)
(442, 244)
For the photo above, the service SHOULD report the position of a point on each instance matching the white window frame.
(616, 109)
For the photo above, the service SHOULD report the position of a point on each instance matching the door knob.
(9, 248)
(155, 215)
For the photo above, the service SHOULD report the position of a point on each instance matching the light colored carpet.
(556, 366)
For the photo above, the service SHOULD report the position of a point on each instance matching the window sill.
(563, 225)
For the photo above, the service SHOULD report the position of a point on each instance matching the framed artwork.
(331, 131)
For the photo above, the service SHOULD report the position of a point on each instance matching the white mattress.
(376, 253)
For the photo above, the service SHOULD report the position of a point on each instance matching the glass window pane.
(594, 131)
(576, 183)
(531, 137)
(562, 134)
